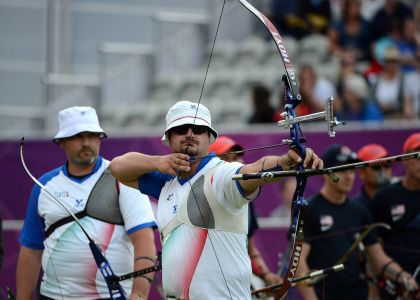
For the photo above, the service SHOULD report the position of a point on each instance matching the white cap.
(75, 120)
(186, 112)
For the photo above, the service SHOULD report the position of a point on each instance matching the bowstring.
(186, 151)
(42, 230)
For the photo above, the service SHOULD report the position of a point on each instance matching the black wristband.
(144, 257)
(147, 278)
(385, 267)
(398, 275)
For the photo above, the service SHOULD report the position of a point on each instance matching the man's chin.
(87, 160)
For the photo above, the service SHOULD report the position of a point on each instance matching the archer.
(202, 214)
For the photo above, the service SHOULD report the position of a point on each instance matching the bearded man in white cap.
(202, 214)
(117, 217)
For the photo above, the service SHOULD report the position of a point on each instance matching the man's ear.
(60, 143)
(362, 174)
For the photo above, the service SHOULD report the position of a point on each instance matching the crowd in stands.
(377, 46)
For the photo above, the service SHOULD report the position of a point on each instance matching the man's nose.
(85, 140)
(190, 131)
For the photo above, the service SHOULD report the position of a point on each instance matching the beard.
(85, 157)
(189, 151)
(189, 147)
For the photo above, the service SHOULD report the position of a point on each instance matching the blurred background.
(133, 59)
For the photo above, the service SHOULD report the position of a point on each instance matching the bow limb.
(359, 238)
(115, 290)
(286, 59)
(302, 278)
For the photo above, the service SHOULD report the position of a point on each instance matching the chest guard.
(102, 204)
(201, 209)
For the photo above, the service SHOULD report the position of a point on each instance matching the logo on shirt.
(62, 194)
(78, 203)
(397, 212)
(169, 197)
(175, 207)
(326, 222)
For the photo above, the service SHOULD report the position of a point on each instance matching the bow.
(116, 291)
(296, 142)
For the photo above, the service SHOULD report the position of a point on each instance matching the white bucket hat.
(186, 112)
(75, 120)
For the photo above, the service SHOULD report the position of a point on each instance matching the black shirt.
(399, 208)
(252, 220)
(328, 229)
(363, 199)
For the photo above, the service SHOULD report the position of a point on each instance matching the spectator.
(411, 91)
(392, 11)
(283, 14)
(355, 101)
(85, 185)
(301, 17)
(329, 213)
(347, 67)
(373, 178)
(388, 90)
(399, 206)
(352, 33)
(416, 15)
(379, 48)
(407, 45)
(222, 146)
(263, 112)
(315, 90)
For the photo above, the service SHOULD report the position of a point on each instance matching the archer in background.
(332, 214)
(85, 186)
(202, 213)
(222, 146)
(399, 206)
(373, 178)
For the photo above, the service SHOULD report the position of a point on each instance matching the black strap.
(63, 221)
(98, 185)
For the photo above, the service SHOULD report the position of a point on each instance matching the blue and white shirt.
(69, 268)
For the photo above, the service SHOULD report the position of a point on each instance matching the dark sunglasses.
(183, 129)
(386, 166)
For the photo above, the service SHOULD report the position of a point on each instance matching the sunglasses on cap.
(183, 129)
(378, 167)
